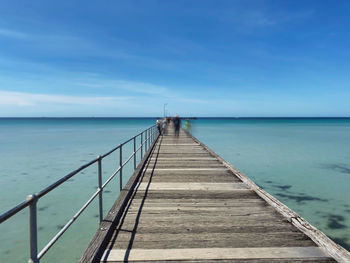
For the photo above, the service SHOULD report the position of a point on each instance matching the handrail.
(151, 134)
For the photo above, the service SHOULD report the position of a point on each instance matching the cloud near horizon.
(23, 99)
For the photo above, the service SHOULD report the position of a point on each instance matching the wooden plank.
(179, 166)
(248, 194)
(270, 260)
(180, 144)
(213, 253)
(189, 178)
(186, 169)
(190, 239)
(178, 159)
(198, 173)
(193, 186)
(202, 202)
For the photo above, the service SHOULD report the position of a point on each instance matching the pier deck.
(189, 205)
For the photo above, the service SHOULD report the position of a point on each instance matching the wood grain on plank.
(213, 253)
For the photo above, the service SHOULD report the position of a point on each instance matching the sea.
(303, 162)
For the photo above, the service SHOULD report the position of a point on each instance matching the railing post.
(149, 137)
(121, 167)
(33, 233)
(141, 145)
(100, 200)
(147, 142)
(134, 153)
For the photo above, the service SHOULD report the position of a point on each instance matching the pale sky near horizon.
(202, 58)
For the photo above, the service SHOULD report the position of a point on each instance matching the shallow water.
(35, 153)
(303, 162)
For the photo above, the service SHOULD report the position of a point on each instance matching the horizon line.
(149, 117)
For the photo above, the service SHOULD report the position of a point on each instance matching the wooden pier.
(184, 203)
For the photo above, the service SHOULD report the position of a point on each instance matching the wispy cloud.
(22, 99)
(247, 19)
(131, 86)
(4, 32)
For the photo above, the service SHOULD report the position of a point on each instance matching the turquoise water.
(35, 153)
(303, 162)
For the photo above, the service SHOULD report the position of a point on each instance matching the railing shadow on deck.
(133, 231)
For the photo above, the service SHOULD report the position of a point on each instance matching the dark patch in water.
(59, 227)
(283, 187)
(83, 160)
(43, 208)
(24, 173)
(268, 182)
(82, 172)
(346, 205)
(96, 215)
(54, 213)
(7, 252)
(335, 222)
(238, 154)
(347, 210)
(107, 191)
(342, 241)
(70, 180)
(40, 228)
(337, 167)
(319, 213)
(302, 198)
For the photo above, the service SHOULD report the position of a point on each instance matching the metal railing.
(146, 138)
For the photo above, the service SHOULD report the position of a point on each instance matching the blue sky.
(202, 58)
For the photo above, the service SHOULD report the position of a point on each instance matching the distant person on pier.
(164, 126)
(159, 127)
(177, 125)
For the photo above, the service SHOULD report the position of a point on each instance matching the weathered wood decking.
(190, 205)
